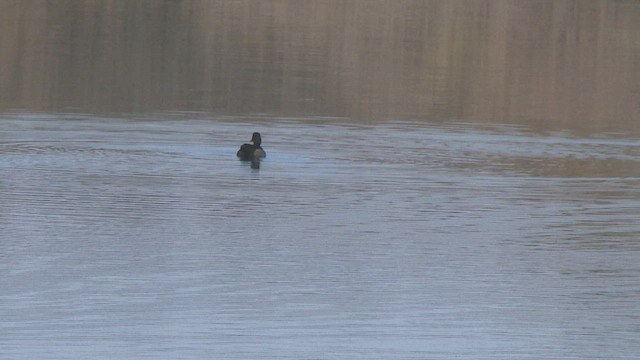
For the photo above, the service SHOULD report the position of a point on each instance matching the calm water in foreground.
(132, 239)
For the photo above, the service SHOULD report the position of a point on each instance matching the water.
(499, 220)
(140, 238)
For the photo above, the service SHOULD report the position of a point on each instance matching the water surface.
(147, 238)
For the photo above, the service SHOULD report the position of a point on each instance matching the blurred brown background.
(546, 63)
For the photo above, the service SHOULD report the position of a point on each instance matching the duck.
(252, 152)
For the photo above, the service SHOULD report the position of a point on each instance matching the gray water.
(146, 238)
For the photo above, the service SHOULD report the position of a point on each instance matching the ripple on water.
(394, 240)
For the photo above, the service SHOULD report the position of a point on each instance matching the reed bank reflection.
(547, 64)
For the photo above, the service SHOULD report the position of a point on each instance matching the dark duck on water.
(252, 152)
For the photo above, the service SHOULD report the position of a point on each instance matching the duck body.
(252, 152)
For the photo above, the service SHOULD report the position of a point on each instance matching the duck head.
(256, 139)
